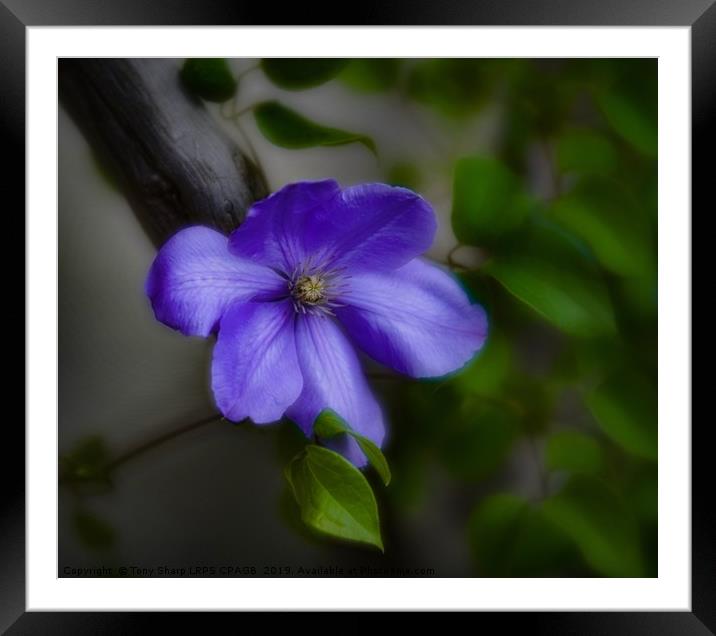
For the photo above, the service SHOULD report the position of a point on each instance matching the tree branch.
(172, 160)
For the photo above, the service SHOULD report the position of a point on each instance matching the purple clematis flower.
(313, 273)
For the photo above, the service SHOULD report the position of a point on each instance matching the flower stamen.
(310, 290)
(314, 289)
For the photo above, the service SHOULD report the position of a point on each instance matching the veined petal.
(194, 278)
(276, 229)
(416, 320)
(255, 370)
(368, 227)
(379, 227)
(333, 378)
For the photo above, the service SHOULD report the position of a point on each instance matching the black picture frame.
(17, 15)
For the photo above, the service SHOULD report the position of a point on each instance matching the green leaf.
(546, 269)
(574, 452)
(329, 424)
(625, 406)
(287, 128)
(334, 496)
(93, 531)
(209, 78)
(602, 213)
(488, 201)
(509, 537)
(371, 75)
(585, 151)
(295, 74)
(600, 525)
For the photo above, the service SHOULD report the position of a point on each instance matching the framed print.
(376, 317)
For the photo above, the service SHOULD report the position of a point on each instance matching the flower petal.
(333, 378)
(416, 320)
(379, 227)
(194, 278)
(372, 226)
(255, 370)
(276, 228)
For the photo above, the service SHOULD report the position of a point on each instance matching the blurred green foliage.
(372, 75)
(209, 78)
(550, 271)
(574, 452)
(86, 468)
(488, 201)
(509, 536)
(298, 74)
(562, 208)
(93, 532)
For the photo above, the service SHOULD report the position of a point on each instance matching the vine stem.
(235, 114)
(228, 111)
(249, 146)
(248, 70)
(159, 440)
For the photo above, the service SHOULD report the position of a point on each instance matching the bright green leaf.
(510, 537)
(488, 201)
(625, 406)
(599, 524)
(209, 78)
(574, 452)
(296, 74)
(329, 424)
(548, 271)
(288, 129)
(334, 496)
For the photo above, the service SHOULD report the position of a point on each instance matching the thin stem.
(248, 70)
(228, 111)
(249, 146)
(235, 114)
(159, 440)
(228, 108)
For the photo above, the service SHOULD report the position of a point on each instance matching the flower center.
(316, 288)
(310, 290)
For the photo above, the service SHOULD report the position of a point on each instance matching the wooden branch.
(172, 159)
